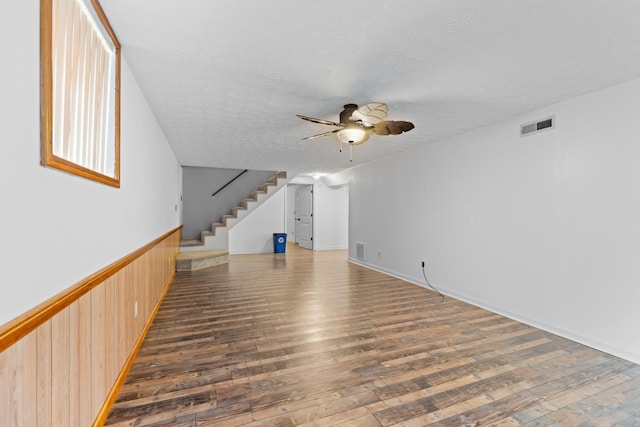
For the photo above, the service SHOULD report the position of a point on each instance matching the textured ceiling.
(226, 78)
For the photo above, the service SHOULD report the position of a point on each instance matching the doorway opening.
(300, 215)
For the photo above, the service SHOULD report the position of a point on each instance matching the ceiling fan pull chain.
(340, 142)
(351, 152)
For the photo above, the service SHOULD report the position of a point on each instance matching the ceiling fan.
(357, 124)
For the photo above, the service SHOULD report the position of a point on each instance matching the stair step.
(255, 194)
(192, 261)
(187, 243)
(265, 187)
(212, 232)
(235, 210)
(227, 218)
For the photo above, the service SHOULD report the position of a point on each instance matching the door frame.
(290, 212)
(304, 188)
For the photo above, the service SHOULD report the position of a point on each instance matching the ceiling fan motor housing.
(347, 112)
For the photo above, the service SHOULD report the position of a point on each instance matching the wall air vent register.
(538, 126)
(360, 251)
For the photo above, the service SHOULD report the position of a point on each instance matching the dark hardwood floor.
(307, 338)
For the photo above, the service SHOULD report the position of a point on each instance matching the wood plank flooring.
(307, 338)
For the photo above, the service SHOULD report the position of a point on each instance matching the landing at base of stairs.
(191, 261)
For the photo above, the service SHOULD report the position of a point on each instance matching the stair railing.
(227, 184)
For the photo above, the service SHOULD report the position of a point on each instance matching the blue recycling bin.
(279, 243)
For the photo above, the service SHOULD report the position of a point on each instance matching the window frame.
(48, 158)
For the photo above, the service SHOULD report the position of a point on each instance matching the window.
(80, 84)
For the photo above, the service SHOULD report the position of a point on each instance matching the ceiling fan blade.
(392, 127)
(372, 113)
(323, 134)
(314, 120)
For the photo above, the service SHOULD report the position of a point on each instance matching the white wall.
(254, 233)
(330, 217)
(544, 228)
(58, 228)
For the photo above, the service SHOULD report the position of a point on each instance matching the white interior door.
(304, 216)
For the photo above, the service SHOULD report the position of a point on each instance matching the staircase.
(213, 246)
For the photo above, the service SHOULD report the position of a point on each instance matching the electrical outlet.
(135, 309)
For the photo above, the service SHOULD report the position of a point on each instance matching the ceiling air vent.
(537, 126)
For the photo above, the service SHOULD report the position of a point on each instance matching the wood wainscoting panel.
(60, 364)
(43, 373)
(80, 361)
(66, 369)
(18, 379)
(113, 362)
(124, 322)
(99, 382)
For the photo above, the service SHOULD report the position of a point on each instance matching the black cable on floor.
(428, 283)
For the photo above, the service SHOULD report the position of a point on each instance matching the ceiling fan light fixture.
(352, 135)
